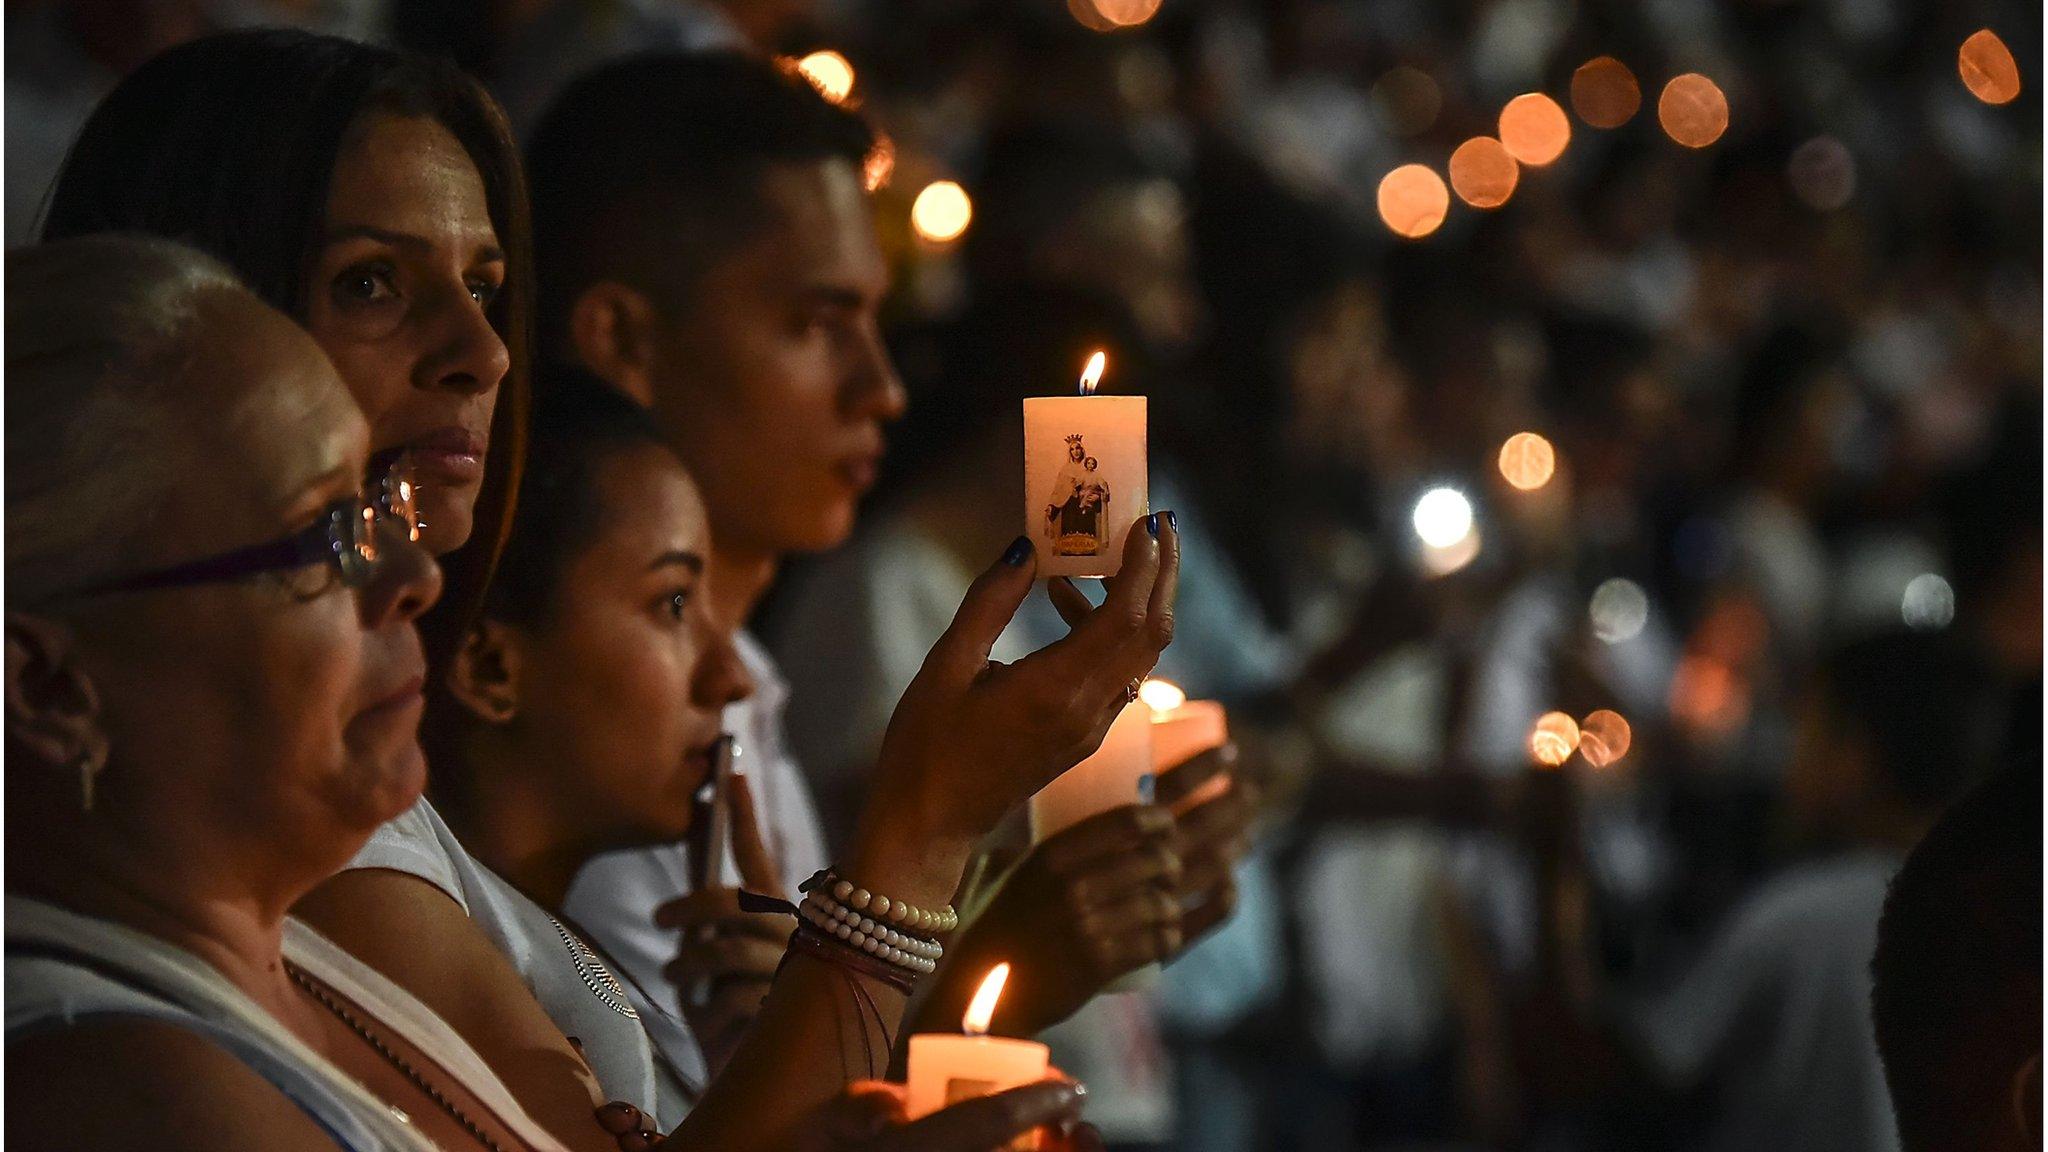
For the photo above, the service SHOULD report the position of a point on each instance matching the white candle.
(1119, 773)
(1183, 729)
(946, 1069)
(1085, 477)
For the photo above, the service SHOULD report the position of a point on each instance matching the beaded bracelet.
(814, 943)
(914, 945)
(895, 912)
(822, 922)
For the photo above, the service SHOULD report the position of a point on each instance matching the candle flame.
(1161, 696)
(982, 1008)
(1092, 374)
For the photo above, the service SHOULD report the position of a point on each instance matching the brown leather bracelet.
(818, 946)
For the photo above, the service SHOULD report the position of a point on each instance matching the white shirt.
(614, 897)
(572, 984)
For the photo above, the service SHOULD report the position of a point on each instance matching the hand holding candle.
(1183, 729)
(1085, 476)
(946, 1069)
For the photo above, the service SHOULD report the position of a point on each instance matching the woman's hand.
(1214, 808)
(870, 1117)
(728, 956)
(1097, 901)
(972, 739)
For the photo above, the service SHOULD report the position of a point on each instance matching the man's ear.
(613, 330)
(53, 710)
(485, 676)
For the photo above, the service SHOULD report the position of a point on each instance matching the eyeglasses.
(342, 542)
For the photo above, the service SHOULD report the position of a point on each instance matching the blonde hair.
(99, 330)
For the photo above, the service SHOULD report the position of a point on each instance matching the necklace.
(326, 1000)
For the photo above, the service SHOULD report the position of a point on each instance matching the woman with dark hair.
(373, 196)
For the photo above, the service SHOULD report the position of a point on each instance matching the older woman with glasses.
(213, 686)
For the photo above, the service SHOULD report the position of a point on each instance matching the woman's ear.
(613, 329)
(485, 675)
(53, 710)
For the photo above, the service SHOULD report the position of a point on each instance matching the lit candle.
(946, 1069)
(1085, 476)
(1183, 729)
(1119, 773)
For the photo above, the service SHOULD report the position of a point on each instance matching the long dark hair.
(229, 142)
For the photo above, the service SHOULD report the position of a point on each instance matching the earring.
(88, 772)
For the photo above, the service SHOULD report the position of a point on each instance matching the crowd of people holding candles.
(715, 574)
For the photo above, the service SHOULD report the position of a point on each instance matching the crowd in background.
(1792, 384)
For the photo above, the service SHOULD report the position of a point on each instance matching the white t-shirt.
(1773, 1023)
(614, 897)
(580, 994)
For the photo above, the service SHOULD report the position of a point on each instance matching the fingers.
(1145, 928)
(1179, 782)
(1127, 608)
(990, 1121)
(861, 1113)
(1167, 585)
(1211, 911)
(1130, 830)
(718, 910)
(757, 867)
(1214, 824)
(724, 958)
(986, 610)
(1067, 598)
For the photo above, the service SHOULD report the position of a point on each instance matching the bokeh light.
(1527, 461)
(1443, 517)
(1482, 172)
(1451, 557)
(1409, 99)
(1110, 15)
(1604, 737)
(1988, 69)
(1605, 93)
(1929, 604)
(830, 73)
(1413, 201)
(1619, 610)
(1692, 110)
(1554, 739)
(1161, 695)
(880, 164)
(941, 212)
(1534, 129)
(1822, 173)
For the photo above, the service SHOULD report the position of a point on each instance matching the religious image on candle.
(1085, 476)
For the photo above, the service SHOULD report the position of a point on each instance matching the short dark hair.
(1928, 703)
(228, 143)
(1956, 981)
(648, 169)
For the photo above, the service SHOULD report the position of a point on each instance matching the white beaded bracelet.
(915, 945)
(894, 911)
(854, 937)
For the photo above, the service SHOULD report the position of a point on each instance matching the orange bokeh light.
(1605, 93)
(829, 73)
(1482, 172)
(880, 164)
(1534, 129)
(1109, 15)
(1604, 738)
(1527, 461)
(1554, 739)
(1988, 69)
(941, 212)
(1693, 110)
(1413, 201)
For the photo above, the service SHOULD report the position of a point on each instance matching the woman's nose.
(465, 353)
(721, 677)
(404, 582)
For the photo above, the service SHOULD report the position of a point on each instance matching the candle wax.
(1085, 480)
(1119, 773)
(946, 1069)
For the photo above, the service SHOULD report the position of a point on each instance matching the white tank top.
(64, 968)
(582, 996)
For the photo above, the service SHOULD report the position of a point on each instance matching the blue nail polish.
(1172, 521)
(1020, 551)
(1152, 524)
